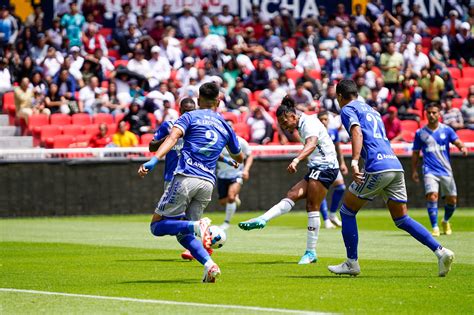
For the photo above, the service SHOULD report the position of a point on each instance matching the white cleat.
(211, 273)
(335, 220)
(203, 232)
(445, 261)
(346, 268)
(225, 226)
(328, 224)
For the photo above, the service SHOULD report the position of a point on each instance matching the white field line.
(165, 302)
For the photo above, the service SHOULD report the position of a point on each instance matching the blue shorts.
(326, 177)
(223, 185)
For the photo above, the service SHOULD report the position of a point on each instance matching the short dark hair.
(433, 104)
(323, 113)
(347, 89)
(287, 106)
(209, 91)
(187, 105)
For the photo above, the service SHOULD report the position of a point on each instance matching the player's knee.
(432, 197)
(451, 200)
(340, 187)
(155, 228)
(231, 198)
(293, 195)
(312, 206)
(223, 201)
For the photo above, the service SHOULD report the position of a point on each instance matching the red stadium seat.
(315, 74)
(104, 84)
(60, 119)
(408, 136)
(462, 92)
(409, 125)
(103, 118)
(73, 130)
(468, 72)
(419, 104)
(62, 141)
(466, 135)
(146, 138)
(242, 130)
(256, 95)
(120, 62)
(293, 74)
(465, 82)
(292, 42)
(106, 32)
(35, 122)
(152, 120)
(48, 132)
(8, 101)
(114, 54)
(118, 117)
(457, 102)
(426, 42)
(322, 62)
(91, 129)
(83, 139)
(81, 119)
(455, 72)
(268, 63)
(230, 116)
(111, 129)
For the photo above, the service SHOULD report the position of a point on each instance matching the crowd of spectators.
(146, 63)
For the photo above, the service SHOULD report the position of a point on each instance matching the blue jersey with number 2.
(206, 134)
(376, 150)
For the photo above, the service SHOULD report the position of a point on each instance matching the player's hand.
(343, 168)
(234, 164)
(357, 176)
(245, 175)
(292, 167)
(415, 177)
(142, 171)
(464, 151)
(148, 166)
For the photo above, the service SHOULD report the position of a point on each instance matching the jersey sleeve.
(349, 118)
(245, 147)
(417, 142)
(233, 144)
(452, 136)
(183, 122)
(310, 129)
(162, 131)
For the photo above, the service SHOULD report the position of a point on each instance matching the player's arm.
(228, 161)
(309, 146)
(415, 156)
(239, 158)
(155, 144)
(247, 165)
(460, 145)
(357, 140)
(164, 148)
(159, 137)
(340, 157)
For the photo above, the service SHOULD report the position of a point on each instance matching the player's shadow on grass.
(365, 276)
(174, 260)
(174, 281)
(276, 262)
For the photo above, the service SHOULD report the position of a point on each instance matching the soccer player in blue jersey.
(205, 135)
(332, 220)
(433, 140)
(383, 175)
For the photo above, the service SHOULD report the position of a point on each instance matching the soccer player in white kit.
(323, 170)
(231, 179)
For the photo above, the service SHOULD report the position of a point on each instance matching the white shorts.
(391, 185)
(187, 196)
(433, 183)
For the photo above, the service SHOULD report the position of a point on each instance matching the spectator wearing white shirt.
(139, 64)
(307, 59)
(158, 96)
(160, 67)
(90, 98)
(5, 79)
(171, 47)
(225, 18)
(52, 62)
(286, 54)
(271, 97)
(185, 73)
(104, 62)
(260, 122)
(453, 24)
(209, 42)
(131, 18)
(188, 25)
(417, 61)
(75, 62)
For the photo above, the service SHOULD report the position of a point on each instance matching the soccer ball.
(218, 236)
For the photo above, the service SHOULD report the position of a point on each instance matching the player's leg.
(231, 204)
(323, 210)
(396, 195)
(448, 187)
(339, 189)
(316, 193)
(431, 191)
(296, 193)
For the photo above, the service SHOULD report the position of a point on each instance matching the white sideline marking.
(225, 306)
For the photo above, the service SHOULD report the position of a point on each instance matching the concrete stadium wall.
(86, 188)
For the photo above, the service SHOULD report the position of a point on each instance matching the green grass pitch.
(116, 256)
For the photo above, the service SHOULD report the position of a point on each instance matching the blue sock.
(418, 231)
(194, 246)
(324, 209)
(433, 212)
(349, 231)
(171, 227)
(337, 197)
(448, 211)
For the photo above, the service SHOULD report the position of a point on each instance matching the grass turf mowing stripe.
(148, 301)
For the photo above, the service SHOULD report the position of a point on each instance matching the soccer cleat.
(346, 268)
(446, 228)
(435, 232)
(203, 232)
(328, 224)
(444, 262)
(252, 224)
(335, 220)
(308, 258)
(211, 273)
(225, 226)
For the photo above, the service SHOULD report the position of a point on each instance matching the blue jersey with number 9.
(376, 150)
(206, 134)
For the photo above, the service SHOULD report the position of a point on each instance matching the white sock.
(332, 215)
(209, 263)
(314, 224)
(284, 206)
(229, 211)
(439, 252)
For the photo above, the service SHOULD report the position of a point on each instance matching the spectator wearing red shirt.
(392, 124)
(101, 139)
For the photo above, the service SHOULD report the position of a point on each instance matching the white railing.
(141, 153)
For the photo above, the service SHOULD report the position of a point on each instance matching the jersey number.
(374, 119)
(212, 136)
(314, 174)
